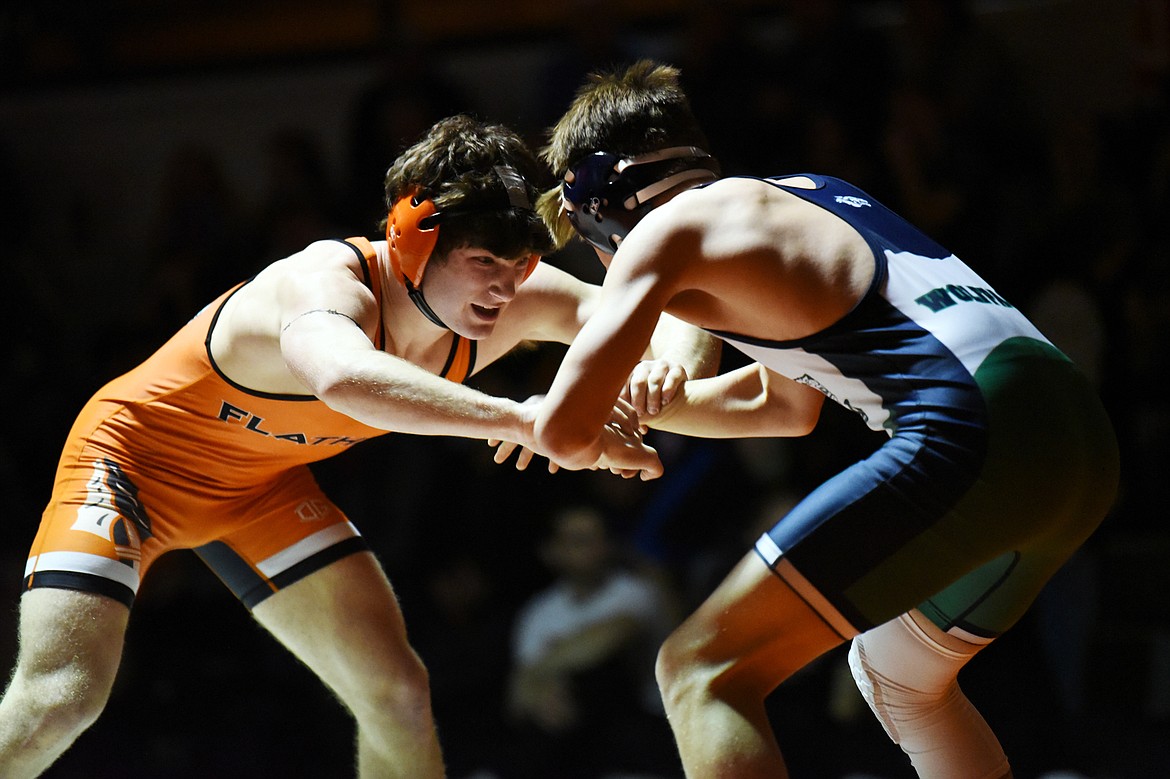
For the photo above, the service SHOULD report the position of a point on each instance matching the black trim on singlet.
(316, 562)
(227, 379)
(82, 582)
(454, 352)
(250, 587)
(379, 338)
(380, 334)
(239, 577)
(471, 356)
(960, 620)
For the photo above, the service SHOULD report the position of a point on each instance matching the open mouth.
(483, 312)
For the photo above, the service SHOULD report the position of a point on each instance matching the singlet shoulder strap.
(372, 276)
(460, 360)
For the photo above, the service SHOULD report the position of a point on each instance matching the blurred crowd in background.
(499, 572)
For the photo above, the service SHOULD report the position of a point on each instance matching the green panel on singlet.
(1049, 478)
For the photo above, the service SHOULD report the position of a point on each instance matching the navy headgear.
(605, 195)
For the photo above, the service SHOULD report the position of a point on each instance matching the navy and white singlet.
(1001, 459)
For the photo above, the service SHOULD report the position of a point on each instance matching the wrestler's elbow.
(801, 424)
(339, 397)
(315, 379)
(566, 441)
(342, 388)
(792, 408)
(807, 414)
(319, 372)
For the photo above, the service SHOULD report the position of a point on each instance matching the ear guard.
(605, 195)
(412, 230)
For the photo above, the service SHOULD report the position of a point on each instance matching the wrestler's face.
(470, 287)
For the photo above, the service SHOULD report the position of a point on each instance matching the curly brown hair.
(455, 165)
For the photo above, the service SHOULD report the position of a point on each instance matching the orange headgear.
(410, 240)
(412, 229)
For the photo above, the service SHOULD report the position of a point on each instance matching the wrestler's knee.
(58, 704)
(681, 670)
(48, 704)
(70, 649)
(399, 691)
(902, 671)
(907, 672)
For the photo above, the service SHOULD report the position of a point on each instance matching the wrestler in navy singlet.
(1001, 459)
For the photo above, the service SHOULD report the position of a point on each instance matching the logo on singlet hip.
(113, 512)
(809, 381)
(850, 200)
(312, 510)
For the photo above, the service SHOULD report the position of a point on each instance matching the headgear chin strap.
(412, 230)
(605, 195)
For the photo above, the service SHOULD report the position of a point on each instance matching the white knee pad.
(906, 670)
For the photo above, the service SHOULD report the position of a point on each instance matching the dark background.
(153, 154)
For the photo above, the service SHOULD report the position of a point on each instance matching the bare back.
(756, 260)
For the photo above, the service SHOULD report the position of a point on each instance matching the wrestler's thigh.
(754, 628)
(984, 603)
(75, 637)
(342, 621)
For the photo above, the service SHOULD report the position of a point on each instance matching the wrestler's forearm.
(749, 402)
(389, 393)
(696, 350)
